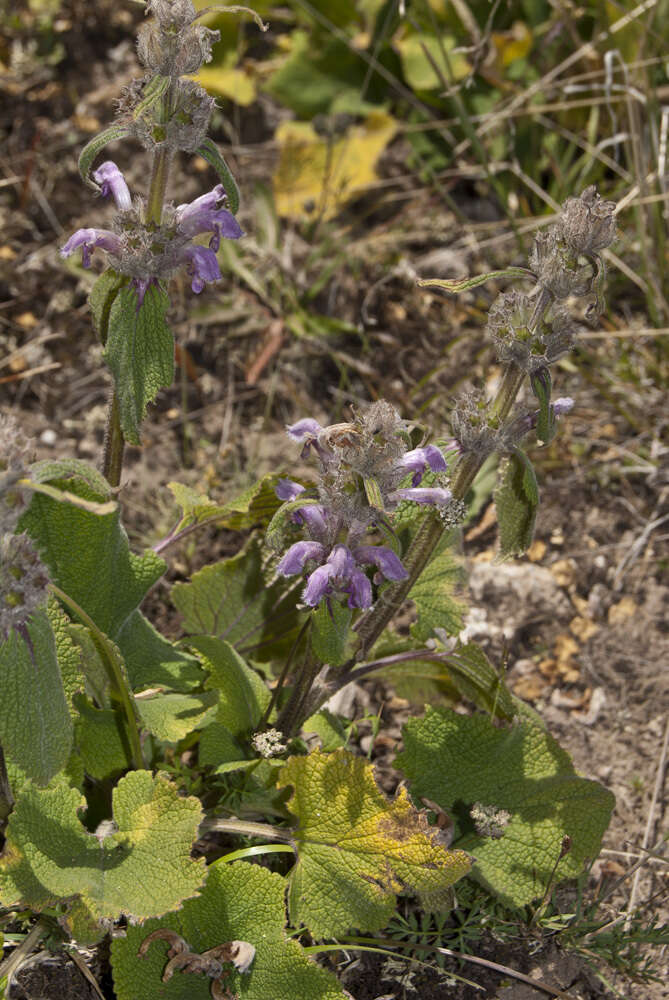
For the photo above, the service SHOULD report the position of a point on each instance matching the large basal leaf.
(516, 501)
(172, 716)
(89, 558)
(139, 352)
(101, 740)
(232, 600)
(35, 722)
(355, 849)
(519, 775)
(240, 902)
(144, 869)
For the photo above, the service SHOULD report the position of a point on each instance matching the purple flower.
(112, 181)
(563, 404)
(385, 560)
(202, 266)
(308, 427)
(297, 555)
(88, 240)
(286, 489)
(419, 459)
(203, 215)
(424, 494)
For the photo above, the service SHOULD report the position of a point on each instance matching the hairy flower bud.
(517, 342)
(471, 425)
(23, 581)
(14, 453)
(587, 224)
(173, 44)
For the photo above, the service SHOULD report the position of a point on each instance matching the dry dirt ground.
(582, 620)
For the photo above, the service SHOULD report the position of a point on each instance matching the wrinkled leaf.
(432, 594)
(172, 716)
(516, 501)
(240, 901)
(35, 723)
(143, 869)
(101, 739)
(328, 728)
(140, 353)
(233, 600)
(459, 761)
(256, 505)
(94, 146)
(330, 624)
(541, 383)
(242, 694)
(101, 299)
(355, 849)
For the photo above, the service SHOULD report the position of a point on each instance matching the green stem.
(159, 174)
(292, 715)
(115, 674)
(112, 463)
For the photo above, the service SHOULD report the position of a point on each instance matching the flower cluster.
(362, 467)
(149, 253)
(519, 342)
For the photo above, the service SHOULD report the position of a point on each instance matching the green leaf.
(172, 716)
(144, 869)
(240, 902)
(516, 500)
(475, 678)
(89, 558)
(68, 652)
(101, 299)
(330, 625)
(96, 144)
(233, 601)
(256, 505)
(101, 739)
(278, 528)
(139, 352)
(242, 693)
(328, 728)
(421, 53)
(455, 285)
(432, 593)
(355, 849)
(209, 152)
(541, 387)
(35, 724)
(373, 493)
(459, 761)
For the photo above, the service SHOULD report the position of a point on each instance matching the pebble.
(48, 437)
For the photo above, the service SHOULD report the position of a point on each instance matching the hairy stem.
(243, 828)
(112, 462)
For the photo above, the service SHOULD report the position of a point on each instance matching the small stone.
(48, 437)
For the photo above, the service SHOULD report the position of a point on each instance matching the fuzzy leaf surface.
(355, 849)
(242, 695)
(232, 600)
(516, 501)
(458, 761)
(143, 869)
(241, 902)
(432, 593)
(139, 352)
(35, 723)
(172, 716)
(256, 505)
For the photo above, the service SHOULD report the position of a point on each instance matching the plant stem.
(292, 715)
(115, 674)
(112, 463)
(243, 828)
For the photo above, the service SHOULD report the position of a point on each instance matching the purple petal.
(112, 182)
(423, 494)
(561, 405)
(359, 590)
(286, 489)
(385, 560)
(203, 215)
(88, 240)
(417, 460)
(313, 515)
(342, 562)
(304, 428)
(296, 556)
(202, 266)
(318, 585)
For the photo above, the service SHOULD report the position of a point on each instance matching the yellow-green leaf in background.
(422, 55)
(225, 79)
(316, 178)
(355, 849)
(512, 44)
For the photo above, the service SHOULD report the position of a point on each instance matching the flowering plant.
(106, 714)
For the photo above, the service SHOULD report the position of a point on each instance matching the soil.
(580, 622)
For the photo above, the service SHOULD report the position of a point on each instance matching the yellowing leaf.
(317, 178)
(228, 81)
(512, 44)
(422, 55)
(355, 849)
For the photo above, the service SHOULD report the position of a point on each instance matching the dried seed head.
(472, 425)
(23, 581)
(587, 224)
(174, 44)
(556, 266)
(516, 342)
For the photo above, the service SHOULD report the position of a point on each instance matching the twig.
(650, 822)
